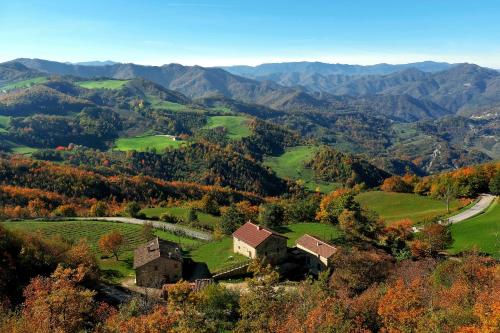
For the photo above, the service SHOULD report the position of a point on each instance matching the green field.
(24, 83)
(4, 123)
(481, 231)
(291, 165)
(397, 206)
(92, 231)
(326, 232)
(18, 148)
(102, 84)
(236, 126)
(205, 219)
(148, 142)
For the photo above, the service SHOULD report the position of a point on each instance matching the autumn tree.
(232, 218)
(112, 243)
(99, 209)
(333, 204)
(148, 231)
(132, 209)
(396, 184)
(57, 303)
(445, 189)
(494, 184)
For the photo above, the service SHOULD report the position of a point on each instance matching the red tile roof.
(316, 245)
(253, 234)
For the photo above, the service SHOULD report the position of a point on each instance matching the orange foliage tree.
(112, 243)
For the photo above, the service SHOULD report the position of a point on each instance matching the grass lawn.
(291, 165)
(396, 206)
(326, 232)
(143, 143)
(113, 270)
(182, 212)
(236, 126)
(24, 83)
(217, 254)
(481, 231)
(102, 84)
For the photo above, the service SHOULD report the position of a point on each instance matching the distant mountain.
(311, 68)
(407, 95)
(97, 63)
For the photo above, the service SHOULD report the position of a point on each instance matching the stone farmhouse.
(157, 262)
(254, 241)
(317, 252)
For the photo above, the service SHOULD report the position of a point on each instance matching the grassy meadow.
(236, 126)
(24, 83)
(147, 142)
(4, 123)
(397, 206)
(291, 165)
(481, 231)
(103, 84)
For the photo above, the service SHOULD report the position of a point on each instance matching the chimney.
(318, 244)
(259, 227)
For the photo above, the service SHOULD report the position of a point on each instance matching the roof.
(316, 246)
(254, 234)
(154, 249)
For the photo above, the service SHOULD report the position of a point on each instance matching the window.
(156, 268)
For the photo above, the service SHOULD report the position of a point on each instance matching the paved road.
(157, 224)
(484, 201)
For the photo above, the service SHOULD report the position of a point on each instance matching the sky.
(250, 32)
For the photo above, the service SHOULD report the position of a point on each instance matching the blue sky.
(230, 32)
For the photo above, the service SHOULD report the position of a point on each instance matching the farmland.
(102, 84)
(4, 123)
(397, 206)
(148, 142)
(481, 231)
(291, 165)
(236, 126)
(92, 231)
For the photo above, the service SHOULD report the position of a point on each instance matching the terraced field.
(24, 83)
(236, 126)
(481, 231)
(397, 206)
(92, 231)
(290, 165)
(102, 84)
(148, 142)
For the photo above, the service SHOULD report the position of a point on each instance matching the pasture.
(24, 83)
(291, 165)
(236, 126)
(147, 142)
(103, 84)
(481, 231)
(73, 231)
(397, 206)
(4, 123)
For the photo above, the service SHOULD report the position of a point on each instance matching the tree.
(495, 184)
(333, 204)
(209, 205)
(445, 189)
(436, 237)
(99, 209)
(397, 184)
(132, 209)
(231, 219)
(147, 231)
(271, 215)
(360, 225)
(192, 216)
(112, 243)
(57, 304)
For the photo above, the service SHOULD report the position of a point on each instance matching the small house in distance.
(317, 252)
(157, 262)
(254, 241)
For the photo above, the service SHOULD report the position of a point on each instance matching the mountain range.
(362, 109)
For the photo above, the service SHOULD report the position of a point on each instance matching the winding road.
(484, 202)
